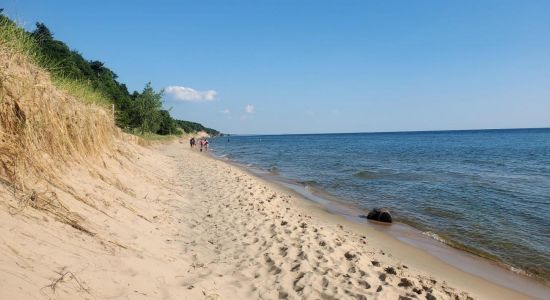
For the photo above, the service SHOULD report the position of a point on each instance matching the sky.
(300, 66)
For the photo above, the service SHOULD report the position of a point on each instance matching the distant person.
(192, 142)
(205, 145)
(201, 142)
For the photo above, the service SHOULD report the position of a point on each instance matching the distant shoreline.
(390, 132)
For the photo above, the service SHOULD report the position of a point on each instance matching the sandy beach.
(168, 222)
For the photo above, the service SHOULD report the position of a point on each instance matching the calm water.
(485, 191)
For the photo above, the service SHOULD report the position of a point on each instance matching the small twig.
(61, 278)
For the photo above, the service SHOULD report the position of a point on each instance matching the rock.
(379, 214)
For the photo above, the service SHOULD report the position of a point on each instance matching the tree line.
(136, 112)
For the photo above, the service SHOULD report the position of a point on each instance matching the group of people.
(202, 142)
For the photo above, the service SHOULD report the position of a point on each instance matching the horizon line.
(375, 132)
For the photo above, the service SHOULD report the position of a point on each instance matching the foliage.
(188, 127)
(168, 125)
(92, 81)
(145, 111)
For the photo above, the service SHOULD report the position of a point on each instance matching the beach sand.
(168, 222)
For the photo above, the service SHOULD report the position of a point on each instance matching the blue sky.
(321, 66)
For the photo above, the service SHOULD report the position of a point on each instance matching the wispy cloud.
(188, 94)
(249, 109)
(226, 111)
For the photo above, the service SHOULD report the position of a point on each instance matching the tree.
(167, 124)
(135, 111)
(42, 32)
(146, 110)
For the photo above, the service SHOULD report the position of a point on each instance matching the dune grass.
(82, 91)
(14, 38)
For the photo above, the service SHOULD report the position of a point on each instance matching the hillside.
(79, 198)
(91, 80)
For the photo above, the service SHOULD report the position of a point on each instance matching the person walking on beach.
(201, 142)
(205, 145)
(192, 142)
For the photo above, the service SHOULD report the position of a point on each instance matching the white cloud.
(249, 109)
(188, 94)
(226, 111)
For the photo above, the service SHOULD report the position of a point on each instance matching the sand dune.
(171, 223)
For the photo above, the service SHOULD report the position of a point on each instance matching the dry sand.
(171, 223)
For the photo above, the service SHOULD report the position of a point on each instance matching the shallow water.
(485, 191)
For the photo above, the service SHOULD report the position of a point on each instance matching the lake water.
(484, 191)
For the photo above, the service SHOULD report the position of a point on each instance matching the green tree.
(42, 32)
(134, 111)
(146, 109)
(167, 124)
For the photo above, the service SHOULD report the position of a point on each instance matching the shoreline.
(166, 222)
(469, 262)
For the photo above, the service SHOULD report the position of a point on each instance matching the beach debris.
(390, 270)
(63, 276)
(379, 214)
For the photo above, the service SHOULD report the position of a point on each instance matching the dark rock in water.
(379, 214)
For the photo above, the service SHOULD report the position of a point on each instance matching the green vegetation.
(92, 82)
(194, 127)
